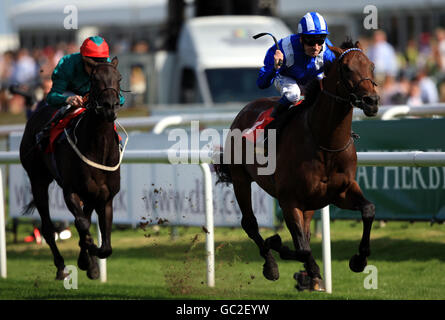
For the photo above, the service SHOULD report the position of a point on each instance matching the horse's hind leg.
(298, 223)
(39, 188)
(354, 200)
(242, 189)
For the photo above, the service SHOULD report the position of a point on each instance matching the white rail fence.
(412, 158)
(143, 156)
(159, 123)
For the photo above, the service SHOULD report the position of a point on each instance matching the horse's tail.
(222, 171)
(29, 208)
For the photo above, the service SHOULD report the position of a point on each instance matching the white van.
(217, 60)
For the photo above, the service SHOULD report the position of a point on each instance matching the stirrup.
(261, 144)
(260, 147)
(42, 140)
(59, 115)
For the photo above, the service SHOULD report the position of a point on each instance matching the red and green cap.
(95, 47)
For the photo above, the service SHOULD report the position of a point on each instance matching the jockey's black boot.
(278, 110)
(43, 135)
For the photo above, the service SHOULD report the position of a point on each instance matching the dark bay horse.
(315, 163)
(85, 188)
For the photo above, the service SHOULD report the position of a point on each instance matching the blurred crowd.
(25, 76)
(413, 77)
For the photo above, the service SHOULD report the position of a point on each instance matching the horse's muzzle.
(107, 114)
(368, 103)
(110, 115)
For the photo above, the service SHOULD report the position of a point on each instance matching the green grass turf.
(410, 260)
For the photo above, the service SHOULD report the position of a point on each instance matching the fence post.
(326, 248)
(102, 262)
(210, 246)
(2, 230)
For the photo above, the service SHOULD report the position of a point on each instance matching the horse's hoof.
(83, 262)
(357, 263)
(104, 253)
(61, 275)
(318, 285)
(270, 271)
(93, 271)
(303, 281)
(274, 242)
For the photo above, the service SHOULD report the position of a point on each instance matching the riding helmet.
(95, 47)
(312, 23)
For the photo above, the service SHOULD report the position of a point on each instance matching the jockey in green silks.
(71, 79)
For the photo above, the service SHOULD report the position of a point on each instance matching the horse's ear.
(358, 45)
(335, 50)
(89, 61)
(115, 61)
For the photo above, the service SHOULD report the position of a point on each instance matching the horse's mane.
(348, 44)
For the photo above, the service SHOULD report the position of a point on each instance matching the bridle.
(353, 98)
(93, 100)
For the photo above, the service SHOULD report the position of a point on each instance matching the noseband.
(353, 98)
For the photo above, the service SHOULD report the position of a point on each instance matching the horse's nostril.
(371, 100)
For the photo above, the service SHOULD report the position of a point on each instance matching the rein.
(351, 140)
(98, 165)
(97, 108)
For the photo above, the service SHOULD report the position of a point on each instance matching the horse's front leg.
(105, 216)
(86, 260)
(353, 199)
(83, 222)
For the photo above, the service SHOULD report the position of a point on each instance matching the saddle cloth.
(261, 122)
(57, 129)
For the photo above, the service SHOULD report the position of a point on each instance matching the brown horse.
(85, 188)
(315, 163)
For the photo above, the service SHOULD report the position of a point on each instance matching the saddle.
(56, 131)
(264, 119)
(59, 127)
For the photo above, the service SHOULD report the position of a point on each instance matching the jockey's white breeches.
(288, 87)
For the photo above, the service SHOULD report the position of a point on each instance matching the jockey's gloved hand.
(278, 59)
(75, 101)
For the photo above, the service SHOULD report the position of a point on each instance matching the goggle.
(312, 41)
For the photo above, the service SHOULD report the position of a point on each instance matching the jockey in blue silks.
(303, 56)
